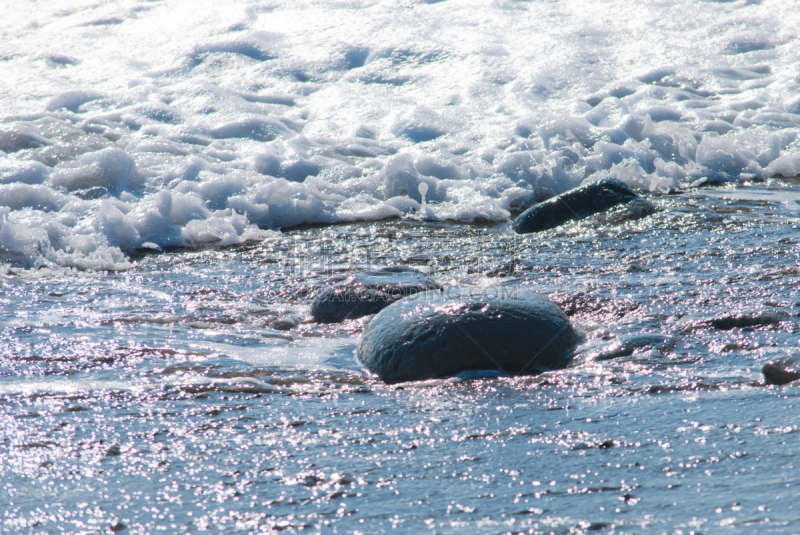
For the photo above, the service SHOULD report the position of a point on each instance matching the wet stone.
(573, 205)
(438, 334)
(693, 322)
(634, 210)
(369, 292)
(782, 371)
(285, 324)
(732, 322)
(626, 346)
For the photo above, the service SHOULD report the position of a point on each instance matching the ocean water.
(179, 179)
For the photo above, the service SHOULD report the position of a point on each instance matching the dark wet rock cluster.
(575, 204)
(369, 292)
(419, 334)
(434, 334)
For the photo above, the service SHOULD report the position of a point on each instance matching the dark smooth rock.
(285, 324)
(575, 204)
(782, 371)
(436, 334)
(368, 293)
(632, 211)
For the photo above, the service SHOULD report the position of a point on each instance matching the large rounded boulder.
(438, 334)
(369, 292)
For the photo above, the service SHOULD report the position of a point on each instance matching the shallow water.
(140, 124)
(166, 398)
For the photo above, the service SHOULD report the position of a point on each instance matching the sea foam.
(245, 120)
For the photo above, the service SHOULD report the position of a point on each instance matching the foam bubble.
(19, 196)
(22, 172)
(20, 138)
(112, 169)
(72, 100)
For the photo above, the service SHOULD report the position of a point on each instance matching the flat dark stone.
(369, 292)
(434, 334)
(733, 322)
(573, 205)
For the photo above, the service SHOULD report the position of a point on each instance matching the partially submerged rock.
(733, 322)
(632, 211)
(782, 371)
(369, 292)
(573, 205)
(693, 322)
(285, 323)
(434, 334)
(625, 346)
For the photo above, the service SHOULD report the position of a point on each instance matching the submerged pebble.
(634, 210)
(285, 324)
(573, 205)
(437, 335)
(369, 292)
(625, 346)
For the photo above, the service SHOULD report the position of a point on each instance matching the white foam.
(19, 196)
(72, 100)
(247, 119)
(112, 169)
(22, 172)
